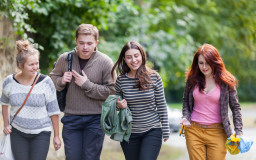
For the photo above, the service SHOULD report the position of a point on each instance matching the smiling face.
(204, 67)
(86, 45)
(133, 59)
(31, 65)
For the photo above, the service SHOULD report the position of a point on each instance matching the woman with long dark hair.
(142, 91)
(210, 88)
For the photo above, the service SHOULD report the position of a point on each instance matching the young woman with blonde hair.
(30, 131)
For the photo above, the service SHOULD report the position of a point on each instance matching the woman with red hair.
(210, 88)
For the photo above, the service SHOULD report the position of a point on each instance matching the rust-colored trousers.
(205, 143)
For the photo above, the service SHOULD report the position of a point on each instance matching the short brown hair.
(87, 29)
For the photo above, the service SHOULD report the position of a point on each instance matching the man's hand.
(67, 77)
(79, 80)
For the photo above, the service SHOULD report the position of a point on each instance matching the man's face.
(85, 45)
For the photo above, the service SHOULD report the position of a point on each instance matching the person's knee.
(93, 147)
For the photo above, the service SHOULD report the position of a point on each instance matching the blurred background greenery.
(170, 31)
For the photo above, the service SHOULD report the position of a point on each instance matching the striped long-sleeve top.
(148, 107)
(42, 103)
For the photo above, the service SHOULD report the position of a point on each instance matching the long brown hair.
(220, 74)
(143, 73)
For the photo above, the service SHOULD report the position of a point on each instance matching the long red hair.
(220, 74)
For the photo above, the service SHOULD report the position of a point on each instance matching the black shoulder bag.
(61, 95)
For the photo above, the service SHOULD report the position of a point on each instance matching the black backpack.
(61, 95)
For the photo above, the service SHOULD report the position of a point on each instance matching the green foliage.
(184, 25)
(122, 27)
(230, 26)
(170, 31)
(16, 10)
(56, 22)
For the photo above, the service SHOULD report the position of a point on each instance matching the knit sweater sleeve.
(101, 91)
(52, 106)
(186, 113)
(5, 97)
(162, 107)
(58, 71)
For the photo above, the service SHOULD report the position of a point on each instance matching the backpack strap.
(69, 59)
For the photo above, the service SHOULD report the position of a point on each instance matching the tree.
(177, 28)
(170, 31)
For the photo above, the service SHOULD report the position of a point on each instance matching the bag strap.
(26, 98)
(69, 59)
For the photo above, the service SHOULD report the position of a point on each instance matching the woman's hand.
(56, 143)
(121, 104)
(238, 136)
(185, 122)
(7, 129)
(56, 138)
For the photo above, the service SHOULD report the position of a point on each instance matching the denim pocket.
(68, 119)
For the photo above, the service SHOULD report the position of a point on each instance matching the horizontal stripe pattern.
(34, 124)
(149, 109)
(41, 104)
(34, 100)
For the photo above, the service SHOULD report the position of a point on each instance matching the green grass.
(169, 153)
(248, 104)
(175, 105)
(112, 154)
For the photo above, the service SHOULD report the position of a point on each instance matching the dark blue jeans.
(83, 137)
(143, 146)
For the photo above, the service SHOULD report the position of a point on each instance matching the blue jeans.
(82, 136)
(143, 146)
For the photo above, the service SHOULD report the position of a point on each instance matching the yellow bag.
(231, 144)
(234, 139)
